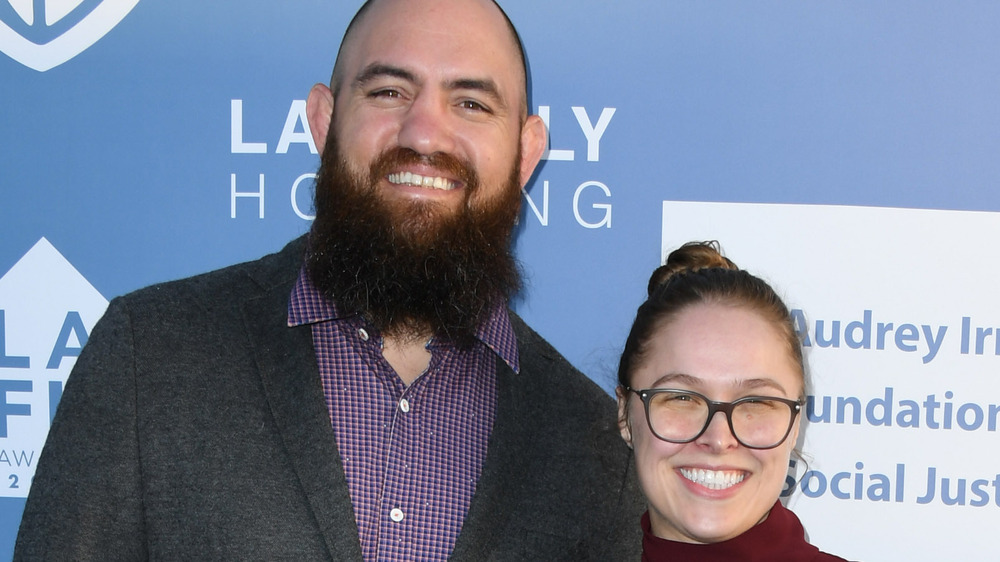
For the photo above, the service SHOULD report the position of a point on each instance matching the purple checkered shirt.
(412, 455)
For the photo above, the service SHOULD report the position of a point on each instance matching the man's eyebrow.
(376, 70)
(484, 86)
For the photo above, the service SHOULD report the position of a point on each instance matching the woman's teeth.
(713, 479)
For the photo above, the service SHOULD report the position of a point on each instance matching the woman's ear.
(624, 426)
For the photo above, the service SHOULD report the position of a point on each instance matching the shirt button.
(363, 334)
(404, 405)
(396, 515)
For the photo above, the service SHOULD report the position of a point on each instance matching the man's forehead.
(479, 19)
(486, 12)
(380, 24)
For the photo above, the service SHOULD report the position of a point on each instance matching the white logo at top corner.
(42, 34)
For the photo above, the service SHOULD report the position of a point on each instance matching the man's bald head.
(336, 81)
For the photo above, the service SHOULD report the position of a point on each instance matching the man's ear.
(319, 111)
(533, 142)
(624, 427)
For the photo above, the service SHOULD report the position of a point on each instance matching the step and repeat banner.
(847, 151)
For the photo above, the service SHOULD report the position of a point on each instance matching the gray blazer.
(193, 427)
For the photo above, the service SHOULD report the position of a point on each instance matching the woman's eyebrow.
(743, 384)
(761, 382)
(676, 377)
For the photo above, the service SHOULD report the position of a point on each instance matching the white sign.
(902, 326)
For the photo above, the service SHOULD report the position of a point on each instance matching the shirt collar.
(307, 305)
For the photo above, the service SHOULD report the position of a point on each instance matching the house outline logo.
(47, 311)
(47, 53)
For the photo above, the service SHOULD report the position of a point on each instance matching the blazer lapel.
(493, 502)
(290, 376)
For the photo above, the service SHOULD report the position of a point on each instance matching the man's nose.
(427, 126)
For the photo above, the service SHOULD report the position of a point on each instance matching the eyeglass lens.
(680, 417)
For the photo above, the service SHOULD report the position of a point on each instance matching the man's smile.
(416, 180)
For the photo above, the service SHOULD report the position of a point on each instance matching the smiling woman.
(716, 366)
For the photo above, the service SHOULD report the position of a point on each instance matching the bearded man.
(365, 394)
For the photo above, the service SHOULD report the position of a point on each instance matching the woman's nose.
(717, 435)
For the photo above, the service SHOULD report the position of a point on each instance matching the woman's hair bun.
(687, 259)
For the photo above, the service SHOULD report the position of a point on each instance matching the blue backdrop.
(141, 158)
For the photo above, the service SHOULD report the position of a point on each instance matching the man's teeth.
(713, 479)
(410, 178)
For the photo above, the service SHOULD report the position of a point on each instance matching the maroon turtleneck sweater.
(780, 537)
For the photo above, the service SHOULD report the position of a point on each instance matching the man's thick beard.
(412, 267)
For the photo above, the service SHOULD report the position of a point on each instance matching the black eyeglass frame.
(646, 394)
